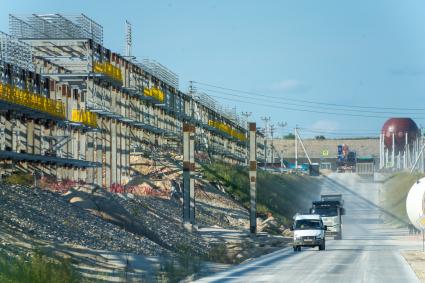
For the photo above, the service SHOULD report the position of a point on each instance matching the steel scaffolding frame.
(49, 26)
(15, 52)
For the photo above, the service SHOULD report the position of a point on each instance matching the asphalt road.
(368, 252)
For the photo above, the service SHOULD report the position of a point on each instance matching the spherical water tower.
(399, 143)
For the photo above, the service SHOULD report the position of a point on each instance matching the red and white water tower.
(401, 145)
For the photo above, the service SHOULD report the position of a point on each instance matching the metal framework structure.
(161, 72)
(85, 108)
(56, 26)
(15, 52)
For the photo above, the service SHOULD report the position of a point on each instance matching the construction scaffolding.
(55, 26)
(15, 52)
(84, 109)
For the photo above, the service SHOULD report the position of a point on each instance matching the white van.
(309, 231)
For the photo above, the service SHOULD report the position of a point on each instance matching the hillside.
(393, 197)
(282, 195)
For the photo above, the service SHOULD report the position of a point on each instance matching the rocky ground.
(48, 216)
(136, 227)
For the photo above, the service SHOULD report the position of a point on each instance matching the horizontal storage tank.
(415, 203)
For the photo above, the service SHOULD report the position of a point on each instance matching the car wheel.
(322, 247)
(295, 249)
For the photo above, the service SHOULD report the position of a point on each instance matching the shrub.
(20, 178)
(36, 269)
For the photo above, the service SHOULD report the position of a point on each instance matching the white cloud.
(290, 85)
(325, 126)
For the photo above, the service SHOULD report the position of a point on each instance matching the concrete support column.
(15, 133)
(99, 158)
(83, 155)
(90, 157)
(119, 151)
(124, 148)
(2, 132)
(188, 167)
(74, 151)
(107, 140)
(30, 137)
(253, 176)
(113, 151)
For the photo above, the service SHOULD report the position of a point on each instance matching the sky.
(281, 57)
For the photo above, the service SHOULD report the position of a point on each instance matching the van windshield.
(305, 224)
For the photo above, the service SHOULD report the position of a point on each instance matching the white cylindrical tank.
(415, 203)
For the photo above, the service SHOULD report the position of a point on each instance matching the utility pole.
(246, 115)
(281, 125)
(266, 131)
(296, 146)
(272, 129)
(253, 177)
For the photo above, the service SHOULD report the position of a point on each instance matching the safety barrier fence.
(83, 116)
(108, 69)
(227, 129)
(14, 95)
(155, 93)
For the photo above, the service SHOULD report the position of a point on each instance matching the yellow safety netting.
(32, 100)
(227, 129)
(108, 69)
(86, 117)
(154, 92)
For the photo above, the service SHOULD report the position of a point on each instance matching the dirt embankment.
(281, 195)
(393, 196)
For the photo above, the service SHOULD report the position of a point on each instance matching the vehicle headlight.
(297, 237)
(318, 237)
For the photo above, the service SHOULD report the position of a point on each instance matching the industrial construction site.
(111, 172)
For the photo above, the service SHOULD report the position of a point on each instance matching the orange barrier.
(154, 92)
(108, 69)
(32, 100)
(83, 116)
(227, 129)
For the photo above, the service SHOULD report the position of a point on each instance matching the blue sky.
(367, 53)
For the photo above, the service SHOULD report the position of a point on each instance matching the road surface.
(368, 252)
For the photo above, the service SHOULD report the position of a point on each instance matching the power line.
(310, 101)
(313, 106)
(309, 110)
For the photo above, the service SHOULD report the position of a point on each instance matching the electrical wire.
(308, 110)
(309, 101)
(312, 106)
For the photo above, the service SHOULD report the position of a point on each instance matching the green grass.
(282, 195)
(20, 178)
(36, 269)
(393, 196)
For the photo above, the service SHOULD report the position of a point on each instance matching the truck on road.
(330, 208)
(346, 160)
(309, 231)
